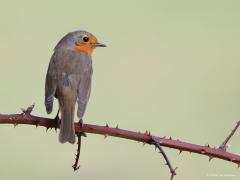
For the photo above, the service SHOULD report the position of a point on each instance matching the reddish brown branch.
(117, 132)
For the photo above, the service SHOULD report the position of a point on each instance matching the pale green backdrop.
(171, 67)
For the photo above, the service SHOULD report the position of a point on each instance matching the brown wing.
(84, 91)
(50, 85)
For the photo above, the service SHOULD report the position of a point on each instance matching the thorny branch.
(211, 152)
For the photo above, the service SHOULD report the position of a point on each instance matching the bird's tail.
(67, 131)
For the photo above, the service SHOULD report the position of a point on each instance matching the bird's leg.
(57, 119)
(81, 124)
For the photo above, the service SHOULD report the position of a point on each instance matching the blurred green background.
(171, 67)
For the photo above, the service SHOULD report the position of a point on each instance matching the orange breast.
(87, 49)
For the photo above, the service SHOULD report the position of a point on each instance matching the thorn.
(55, 129)
(144, 143)
(210, 158)
(117, 126)
(238, 165)
(180, 151)
(149, 133)
(173, 171)
(207, 145)
(170, 138)
(107, 125)
(47, 129)
(105, 136)
(36, 125)
(15, 125)
(146, 132)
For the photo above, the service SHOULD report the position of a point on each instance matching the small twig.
(223, 146)
(75, 165)
(28, 110)
(155, 141)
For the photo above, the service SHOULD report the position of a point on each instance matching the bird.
(69, 78)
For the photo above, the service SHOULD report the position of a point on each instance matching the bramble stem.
(117, 132)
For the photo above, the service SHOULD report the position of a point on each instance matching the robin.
(69, 79)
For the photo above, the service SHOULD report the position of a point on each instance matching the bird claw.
(80, 122)
(81, 133)
(57, 119)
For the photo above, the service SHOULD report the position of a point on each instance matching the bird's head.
(81, 41)
(86, 43)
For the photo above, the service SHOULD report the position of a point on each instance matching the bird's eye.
(85, 39)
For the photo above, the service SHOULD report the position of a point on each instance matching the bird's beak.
(99, 45)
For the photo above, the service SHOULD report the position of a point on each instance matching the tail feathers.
(67, 131)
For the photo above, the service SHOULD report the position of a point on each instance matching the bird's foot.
(81, 124)
(57, 119)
